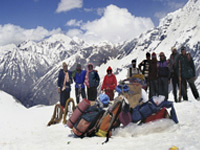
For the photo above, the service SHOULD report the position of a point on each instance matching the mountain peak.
(59, 37)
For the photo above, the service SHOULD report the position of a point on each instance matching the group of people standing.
(89, 78)
(179, 68)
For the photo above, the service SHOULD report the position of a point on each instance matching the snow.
(23, 128)
(59, 37)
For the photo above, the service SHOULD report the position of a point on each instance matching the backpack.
(80, 109)
(141, 112)
(86, 124)
(163, 113)
(125, 115)
(110, 119)
(104, 99)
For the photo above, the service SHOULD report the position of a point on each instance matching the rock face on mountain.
(29, 71)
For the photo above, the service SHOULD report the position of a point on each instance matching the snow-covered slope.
(23, 129)
(29, 71)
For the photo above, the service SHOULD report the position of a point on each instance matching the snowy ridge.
(33, 66)
(22, 128)
(23, 67)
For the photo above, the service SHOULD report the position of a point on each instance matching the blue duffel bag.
(141, 112)
(104, 98)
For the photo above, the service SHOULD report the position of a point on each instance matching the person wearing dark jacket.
(188, 74)
(64, 84)
(173, 73)
(163, 76)
(109, 83)
(144, 68)
(153, 77)
(79, 79)
(92, 82)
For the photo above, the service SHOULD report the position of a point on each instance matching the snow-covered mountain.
(29, 71)
(179, 28)
(31, 66)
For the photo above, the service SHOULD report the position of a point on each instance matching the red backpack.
(159, 115)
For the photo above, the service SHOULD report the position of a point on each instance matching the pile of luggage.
(130, 106)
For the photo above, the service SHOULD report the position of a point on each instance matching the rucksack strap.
(130, 71)
(112, 121)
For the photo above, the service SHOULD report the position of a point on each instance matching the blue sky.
(87, 19)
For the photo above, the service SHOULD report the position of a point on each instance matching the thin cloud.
(175, 5)
(100, 11)
(74, 32)
(74, 22)
(10, 33)
(170, 6)
(88, 9)
(160, 15)
(116, 25)
(67, 5)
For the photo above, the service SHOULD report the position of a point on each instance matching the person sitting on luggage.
(133, 70)
(64, 87)
(109, 83)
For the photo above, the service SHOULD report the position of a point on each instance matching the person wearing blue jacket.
(64, 84)
(79, 79)
(92, 82)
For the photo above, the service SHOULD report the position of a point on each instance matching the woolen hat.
(153, 54)
(183, 48)
(78, 66)
(133, 61)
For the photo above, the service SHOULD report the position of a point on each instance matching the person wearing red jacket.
(109, 83)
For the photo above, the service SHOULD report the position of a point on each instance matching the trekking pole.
(179, 78)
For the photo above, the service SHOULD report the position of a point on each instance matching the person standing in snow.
(144, 68)
(109, 83)
(188, 74)
(64, 84)
(173, 73)
(79, 79)
(153, 77)
(163, 76)
(92, 82)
